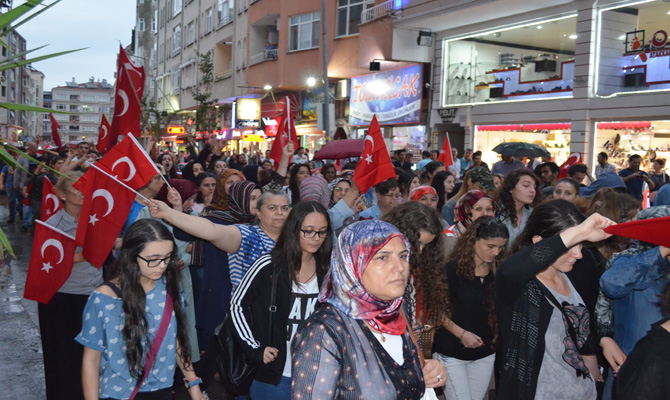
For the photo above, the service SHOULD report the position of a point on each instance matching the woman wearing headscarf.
(357, 344)
(470, 206)
(251, 172)
(188, 191)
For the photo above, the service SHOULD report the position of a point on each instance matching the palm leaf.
(4, 242)
(12, 15)
(9, 160)
(19, 152)
(23, 107)
(32, 60)
(23, 54)
(33, 15)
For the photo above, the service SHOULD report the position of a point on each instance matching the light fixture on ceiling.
(573, 36)
(311, 81)
(425, 38)
(539, 27)
(267, 87)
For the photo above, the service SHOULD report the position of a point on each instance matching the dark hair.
(198, 181)
(660, 161)
(187, 171)
(571, 181)
(552, 166)
(577, 168)
(425, 154)
(632, 156)
(83, 143)
(326, 167)
(397, 152)
(548, 220)
(427, 266)
(483, 228)
(504, 197)
(477, 153)
(172, 173)
(435, 152)
(293, 182)
(287, 251)
(438, 185)
(350, 166)
(405, 181)
(603, 155)
(56, 159)
(432, 166)
(265, 176)
(384, 187)
(127, 270)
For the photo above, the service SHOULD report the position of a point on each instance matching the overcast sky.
(71, 24)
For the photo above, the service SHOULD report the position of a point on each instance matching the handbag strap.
(156, 343)
(114, 288)
(422, 360)
(550, 296)
(273, 306)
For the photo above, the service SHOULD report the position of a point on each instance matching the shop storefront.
(555, 137)
(621, 139)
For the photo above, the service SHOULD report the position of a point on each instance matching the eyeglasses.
(339, 189)
(309, 234)
(157, 262)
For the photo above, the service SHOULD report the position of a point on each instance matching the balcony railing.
(223, 75)
(225, 20)
(266, 55)
(378, 11)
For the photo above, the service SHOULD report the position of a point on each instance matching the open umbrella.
(339, 149)
(521, 149)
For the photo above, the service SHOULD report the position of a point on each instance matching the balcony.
(266, 55)
(378, 11)
(225, 20)
(219, 76)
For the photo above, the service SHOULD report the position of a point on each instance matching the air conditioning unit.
(342, 89)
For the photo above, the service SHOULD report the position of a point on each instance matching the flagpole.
(150, 160)
(116, 179)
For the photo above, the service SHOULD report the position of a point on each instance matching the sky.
(98, 25)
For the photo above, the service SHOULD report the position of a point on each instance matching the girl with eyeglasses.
(296, 268)
(124, 316)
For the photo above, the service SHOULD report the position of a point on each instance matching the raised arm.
(287, 153)
(225, 237)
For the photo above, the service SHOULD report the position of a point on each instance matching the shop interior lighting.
(311, 81)
(573, 36)
(539, 27)
(267, 87)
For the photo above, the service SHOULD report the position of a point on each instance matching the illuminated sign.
(176, 130)
(248, 112)
(253, 138)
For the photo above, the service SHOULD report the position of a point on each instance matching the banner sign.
(393, 95)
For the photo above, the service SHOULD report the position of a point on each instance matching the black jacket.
(249, 310)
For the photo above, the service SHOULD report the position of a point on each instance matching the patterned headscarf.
(355, 248)
(239, 208)
(332, 185)
(465, 204)
(421, 191)
(315, 188)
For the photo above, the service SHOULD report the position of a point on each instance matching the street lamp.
(311, 81)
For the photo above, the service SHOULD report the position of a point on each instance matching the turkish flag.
(128, 162)
(54, 131)
(573, 159)
(103, 135)
(445, 154)
(127, 107)
(104, 211)
(654, 230)
(375, 164)
(49, 193)
(51, 262)
(285, 133)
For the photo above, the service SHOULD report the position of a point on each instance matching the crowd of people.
(498, 275)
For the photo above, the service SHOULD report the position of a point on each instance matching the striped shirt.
(254, 244)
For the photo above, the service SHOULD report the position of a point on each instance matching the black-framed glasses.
(309, 234)
(155, 263)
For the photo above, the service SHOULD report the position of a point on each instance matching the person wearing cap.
(507, 165)
(478, 178)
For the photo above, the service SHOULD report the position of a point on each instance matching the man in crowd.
(506, 165)
(21, 179)
(466, 161)
(548, 173)
(402, 162)
(300, 157)
(434, 154)
(241, 162)
(634, 178)
(455, 168)
(578, 172)
(82, 151)
(425, 160)
(603, 165)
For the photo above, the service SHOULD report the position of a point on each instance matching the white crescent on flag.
(55, 243)
(107, 196)
(126, 160)
(124, 97)
(104, 132)
(55, 200)
(372, 140)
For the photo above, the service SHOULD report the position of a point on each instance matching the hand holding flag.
(285, 134)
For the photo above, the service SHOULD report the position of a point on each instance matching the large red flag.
(54, 131)
(285, 133)
(445, 154)
(104, 211)
(49, 193)
(375, 164)
(127, 107)
(573, 159)
(128, 162)
(103, 134)
(653, 230)
(51, 262)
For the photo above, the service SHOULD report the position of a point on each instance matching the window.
(59, 96)
(140, 25)
(208, 21)
(104, 99)
(152, 57)
(74, 97)
(152, 82)
(4, 91)
(304, 31)
(60, 106)
(88, 98)
(349, 15)
(176, 40)
(223, 13)
(176, 7)
(191, 33)
(175, 81)
(74, 107)
(154, 22)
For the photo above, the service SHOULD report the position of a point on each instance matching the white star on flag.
(368, 158)
(47, 267)
(93, 220)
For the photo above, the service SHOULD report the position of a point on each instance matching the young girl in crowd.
(298, 263)
(443, 183)
(516, 198)
(206, 182)
(407, 182)
(123, 318)
(465, 343)
(566, 189)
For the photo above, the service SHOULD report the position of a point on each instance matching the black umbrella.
(521, 149)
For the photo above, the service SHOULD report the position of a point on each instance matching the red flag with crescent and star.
(54, 131)
(105, 209)
(51, 262)
(573, 159)
(445, 154)
(285, 133)
(129, 163)
(50, 203)
(127, 98)
(375, 164)
(103, 134)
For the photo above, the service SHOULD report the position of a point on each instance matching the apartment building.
(14, 89)
(34, 97)
(86, 102)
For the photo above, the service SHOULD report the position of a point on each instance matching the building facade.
(34, 98)
(86, 102)
(14, 89)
